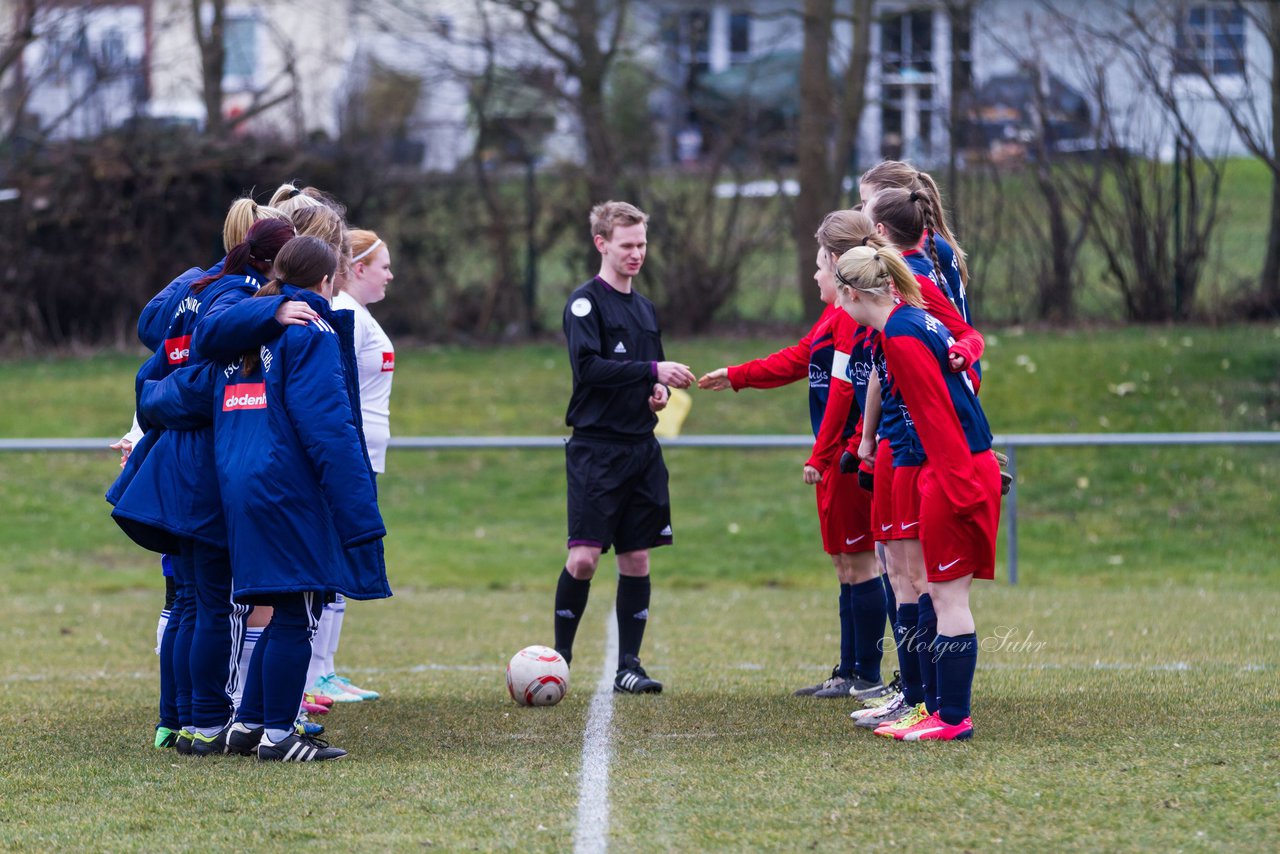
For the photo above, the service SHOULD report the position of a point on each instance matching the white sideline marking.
(592, 833)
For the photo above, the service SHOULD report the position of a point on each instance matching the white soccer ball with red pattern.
(537, 676)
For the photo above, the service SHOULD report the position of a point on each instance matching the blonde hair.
(840, 231)
(242, 214)
(323, 222)
(889, 174)
(290, 198)
(879, 271)
(607, 216)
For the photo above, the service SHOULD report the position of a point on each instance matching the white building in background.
(97, 63)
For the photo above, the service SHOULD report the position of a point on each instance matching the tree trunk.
(213, 57)
(811, 144)
(1270, 280)
(853, 99)
(601, 169)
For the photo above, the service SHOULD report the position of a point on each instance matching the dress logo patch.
(244, 396)
(177, 350)
(388, 362)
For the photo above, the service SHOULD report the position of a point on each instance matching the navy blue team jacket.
(170, 491)
(293, 472)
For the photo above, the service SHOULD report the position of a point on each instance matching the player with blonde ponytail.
(959, 479)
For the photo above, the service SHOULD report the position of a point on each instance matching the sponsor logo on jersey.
(178, 350)
(620, 348)
(388, 362)
(818, 378)
(265, 355)
(580, 307)
(244, 396)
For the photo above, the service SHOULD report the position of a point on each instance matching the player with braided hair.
(897, 174)
(898, 457)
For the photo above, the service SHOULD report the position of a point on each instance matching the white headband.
(375, 245)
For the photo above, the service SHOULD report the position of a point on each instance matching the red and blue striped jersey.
(940, 406)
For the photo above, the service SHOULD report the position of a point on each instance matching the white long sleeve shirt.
(376, 359)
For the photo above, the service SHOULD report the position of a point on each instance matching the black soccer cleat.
(242, 739)
(183, 744)
(632, 679)
(298, 748)
(209, 745)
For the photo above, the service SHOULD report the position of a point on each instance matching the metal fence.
(1008, 442)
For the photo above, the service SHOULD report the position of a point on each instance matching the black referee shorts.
(618, 495)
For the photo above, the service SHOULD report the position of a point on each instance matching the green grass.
(1093, 732)
(1131, 705)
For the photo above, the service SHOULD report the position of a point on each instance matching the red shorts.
(954, 545)
(844, 514)
(906, 503)
(882, 525)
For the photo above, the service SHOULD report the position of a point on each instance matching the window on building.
(1209, 39)
(739, 37)
(240, 37)
(697, 38)
(906, 43)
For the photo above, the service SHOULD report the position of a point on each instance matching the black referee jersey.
(614, 345)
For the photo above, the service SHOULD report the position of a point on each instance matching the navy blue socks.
(867, 604)
(904, 635)
(847, 634)
(926, 632)
(957, 660)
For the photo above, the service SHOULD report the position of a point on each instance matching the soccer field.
(1126, 698)
(1095, 729)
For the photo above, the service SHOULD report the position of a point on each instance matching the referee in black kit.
(617, 480)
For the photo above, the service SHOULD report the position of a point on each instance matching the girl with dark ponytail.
(264, 239)
(297, 395)
(164, 327)
(889, 174)
(172, 496)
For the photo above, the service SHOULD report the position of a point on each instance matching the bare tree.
(212, 45)
(1155, 225)
(1239, 94)
(1059, 219)
(820, 168)
(13, 43)
(571, 32)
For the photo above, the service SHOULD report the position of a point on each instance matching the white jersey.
(376, 359)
